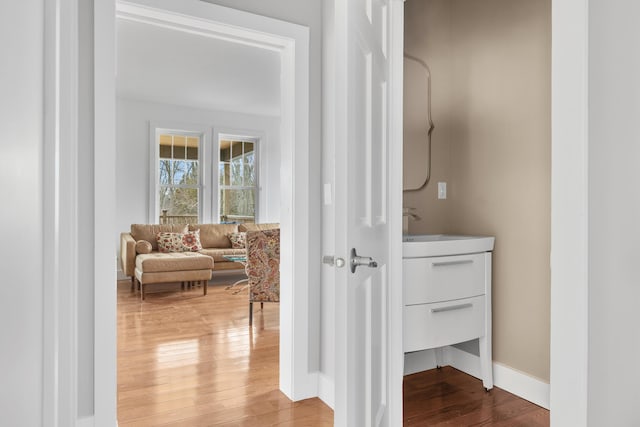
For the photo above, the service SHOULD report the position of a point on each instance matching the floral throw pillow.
(191, 241)
(169, 242)
(179, 242)
(238, 240)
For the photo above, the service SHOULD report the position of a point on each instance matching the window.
(179, 184)
(237, 179)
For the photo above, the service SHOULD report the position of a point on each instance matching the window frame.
(244, 136)
(204, 173)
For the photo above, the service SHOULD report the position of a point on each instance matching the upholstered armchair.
(263, 267)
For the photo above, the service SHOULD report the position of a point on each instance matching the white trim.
(256, 138)
(206, 179)
(104, 97)
(525, 386)
(86, 422)
(418, 361)
(569, 213)
(326, 390)
(292, 41)
(60, 162)
(395, 357)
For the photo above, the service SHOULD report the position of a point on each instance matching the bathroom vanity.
(447, 294)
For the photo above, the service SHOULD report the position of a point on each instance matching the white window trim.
(205, 173)
(246, 136)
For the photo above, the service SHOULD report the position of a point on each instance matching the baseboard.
(121, 276)
(85, 422)
(509, 379)
(419, 361)
(326, 390)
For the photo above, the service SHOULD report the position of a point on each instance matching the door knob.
(357, 261)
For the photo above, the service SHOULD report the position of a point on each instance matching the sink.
(424, 245)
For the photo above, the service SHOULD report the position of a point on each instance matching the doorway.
(298, 379)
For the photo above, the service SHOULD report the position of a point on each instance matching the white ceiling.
(169, 66)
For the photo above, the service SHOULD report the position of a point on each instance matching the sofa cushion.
(238, 240)
(143, 247)
(148, 232)
(214, 235)
(175, 261)
(248, 226)
(218, 254)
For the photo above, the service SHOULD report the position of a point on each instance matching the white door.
(362, 168)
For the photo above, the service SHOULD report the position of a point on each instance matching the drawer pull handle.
(446, 263)
(451, 307)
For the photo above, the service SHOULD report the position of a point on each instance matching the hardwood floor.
(189, 360)
(448, 397)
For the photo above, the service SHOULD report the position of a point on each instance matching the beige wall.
(491, 59)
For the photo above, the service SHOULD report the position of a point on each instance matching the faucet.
(408, 212)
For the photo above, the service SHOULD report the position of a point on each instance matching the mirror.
(417, 125)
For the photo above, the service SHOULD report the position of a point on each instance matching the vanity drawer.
(436, 279)
(443, 323)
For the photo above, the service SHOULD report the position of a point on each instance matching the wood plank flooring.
(185, 359)
(448, 397)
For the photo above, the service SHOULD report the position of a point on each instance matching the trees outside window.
(237, 180)
(179, 186)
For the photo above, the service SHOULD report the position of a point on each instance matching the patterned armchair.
(263, 267)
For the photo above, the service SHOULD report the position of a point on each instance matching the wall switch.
(328, 199)
(442, 190)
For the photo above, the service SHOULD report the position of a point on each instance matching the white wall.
(133, 146)
(21, 268)
(614, 213)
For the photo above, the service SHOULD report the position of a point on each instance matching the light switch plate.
(328, 199)
(442, 190)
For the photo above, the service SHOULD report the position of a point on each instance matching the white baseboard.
(509, 379)
(121, 276)
(326, 390)
(419, 361)
(85, 422)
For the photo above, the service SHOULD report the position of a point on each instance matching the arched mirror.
(418, 125)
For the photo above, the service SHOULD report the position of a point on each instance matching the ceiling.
(174, 67)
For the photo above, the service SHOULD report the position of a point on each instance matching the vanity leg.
(485, 363)
(439, 357)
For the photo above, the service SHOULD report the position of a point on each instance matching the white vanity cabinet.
(447, 300)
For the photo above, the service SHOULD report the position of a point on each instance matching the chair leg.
(250, 313)
(261, 305)
(142, 285)
(133, 283)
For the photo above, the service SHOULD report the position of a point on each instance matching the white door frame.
(60, 346)
(292, 42)
(569, 212)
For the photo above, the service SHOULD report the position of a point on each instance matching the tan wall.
(495, 154)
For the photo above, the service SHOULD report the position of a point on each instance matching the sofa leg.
(250, 313)
(261, 305)
(133, 283)
(205, 283)
(142, 290)
(182, 285)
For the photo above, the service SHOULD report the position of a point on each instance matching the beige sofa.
(157, 267)
(214, 239)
